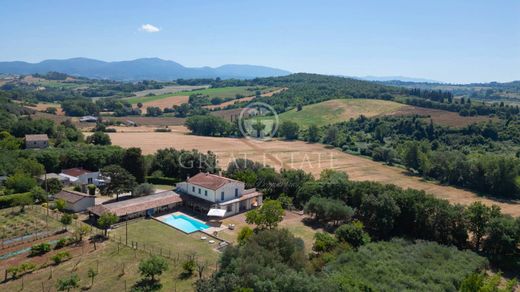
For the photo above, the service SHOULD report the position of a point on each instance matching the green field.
(110, 261)
(117, 264)
(339, 110)
(158, 236)
(224, 92)
(14, 223)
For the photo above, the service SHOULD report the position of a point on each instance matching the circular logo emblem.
(259, 121)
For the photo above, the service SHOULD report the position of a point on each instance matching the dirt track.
(297, 154)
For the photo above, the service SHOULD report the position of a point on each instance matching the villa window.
(230, 208)
(206, 193)
(236, 193)
(193, 189)
(199, 191)
(222, 196)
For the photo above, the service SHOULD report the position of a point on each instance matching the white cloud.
(149, 28)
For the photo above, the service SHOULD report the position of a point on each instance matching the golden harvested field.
(441, 117)
(166, 102)
(43, 106)
(298, 154)
(339, 110)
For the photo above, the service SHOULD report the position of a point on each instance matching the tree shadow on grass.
(185, 275)
(147, 285)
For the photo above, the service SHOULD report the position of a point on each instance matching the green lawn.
(158, 236)
(338, 110)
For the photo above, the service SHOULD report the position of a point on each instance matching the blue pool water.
(185, 223)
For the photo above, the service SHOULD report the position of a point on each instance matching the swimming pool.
(184, 223)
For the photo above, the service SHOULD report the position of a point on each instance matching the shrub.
(7, 201)
(40, 249)
(144, 189)
(60, 257)
(91, 189)
(62, 242)
(21, 269)
(163, 130)
(189, 267)
(162, 180)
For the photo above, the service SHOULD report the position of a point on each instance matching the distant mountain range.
(139, 69)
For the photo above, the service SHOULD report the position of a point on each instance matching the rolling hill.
(139, 69)
(339, 110)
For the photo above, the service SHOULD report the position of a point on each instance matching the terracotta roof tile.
(140, 204)
(77, 171)
(71, 196)
(37, 137)
(209, 181)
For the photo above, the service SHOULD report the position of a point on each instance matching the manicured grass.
(339, 110)
(110, 261)
(14, 223)
(164, 187)
(223, 92)
(158, 236)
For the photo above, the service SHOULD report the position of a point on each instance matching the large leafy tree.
(106, 220)
(208, 125)
(267, 216)
(289, 130)
(152, 267)
(53, 185)
(502, 239)
(353, 234)
(133, 162)
(478, 216)
(20, 182)
(99, 138)
(121, 181)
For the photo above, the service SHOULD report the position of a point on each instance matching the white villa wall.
(193, 190)
(229, 191)
(82, 204)
(84, 178)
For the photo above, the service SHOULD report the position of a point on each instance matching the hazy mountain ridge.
(144, 68)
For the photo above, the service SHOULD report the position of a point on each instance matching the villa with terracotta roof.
(206, 191)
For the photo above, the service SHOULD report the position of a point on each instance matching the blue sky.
(453, 41)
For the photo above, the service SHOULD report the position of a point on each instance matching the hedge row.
(161, 180)
(7, 201)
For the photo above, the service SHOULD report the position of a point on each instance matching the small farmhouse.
(81, 176)
(39, 141)
(206, 191)
(76, 201)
